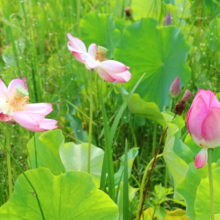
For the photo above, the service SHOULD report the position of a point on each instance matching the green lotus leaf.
(139, 107)
(188, 186)
(146, 8)
(100, 29)
(75, 157)
(148, 110)
(202, 200)
(176, 165)
(47, 147)
(161, 53)
(70, 196)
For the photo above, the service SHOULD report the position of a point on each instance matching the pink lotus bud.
(203, 122)
(175, 88)
(167, 20)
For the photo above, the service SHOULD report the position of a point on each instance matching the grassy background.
(33, 44)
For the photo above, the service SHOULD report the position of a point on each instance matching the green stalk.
(166, 173)
(143, 184)
(125, 186)
(154, 139)
(8, 140)
(138, 157)
(38, 201)
(90, 119)
(78, 16)
(111, 135)
(166, 176)
(108, 162)
(35, 149)
(211, 183)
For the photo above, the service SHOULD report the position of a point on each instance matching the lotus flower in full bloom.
(203, 122)
(15, 107)
(109, 70)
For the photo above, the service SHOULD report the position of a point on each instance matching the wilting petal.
(112, 66)
(15, 83)
(4, 117)
(187, 95)
(92, 50)
(43, 108)
(195, 118)
(211, 128)
(76, 44)
(104, 75)
(201, 158)
(121, 77)
(3, 88)
(90, 61)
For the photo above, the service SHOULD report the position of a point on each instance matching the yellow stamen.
(16, 103)
(101, 53)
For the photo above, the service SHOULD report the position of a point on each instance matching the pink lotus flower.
(14, 107)
(109, 70)
(175, 88)
(203, 122)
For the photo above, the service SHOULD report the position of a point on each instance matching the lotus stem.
(211, 183)
(8, 140)
(90, 119)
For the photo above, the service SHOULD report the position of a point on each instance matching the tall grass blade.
(125, 186)
(108, 153)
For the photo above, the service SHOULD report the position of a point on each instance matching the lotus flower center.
(16, 101)
(101, 53)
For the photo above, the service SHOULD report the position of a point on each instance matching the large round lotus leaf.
(202, 201)
(70, 196)
(47, 147)
(146, 8)
(161, 53)
(75, 157)
(188, 187)
(100, 29)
